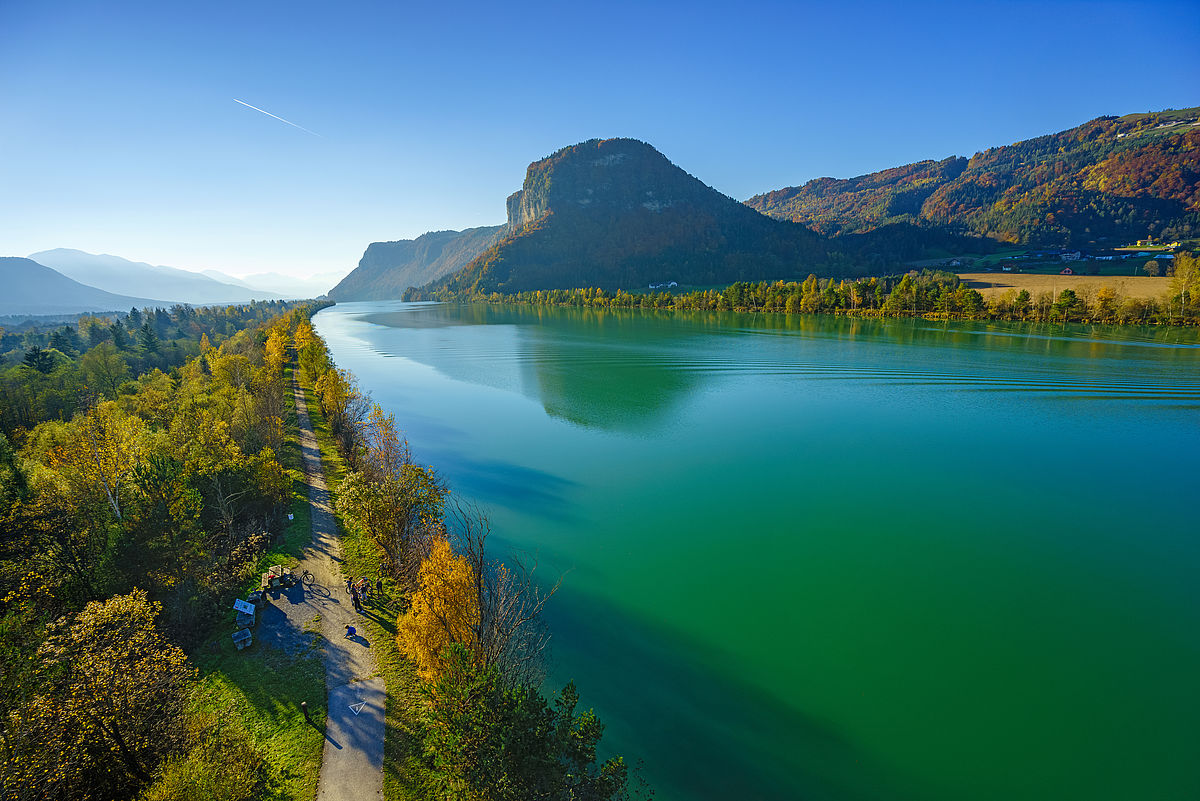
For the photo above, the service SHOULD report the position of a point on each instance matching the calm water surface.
(829, 559)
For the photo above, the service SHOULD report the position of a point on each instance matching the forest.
(140, 466)
(1111, 180)
(929, 294)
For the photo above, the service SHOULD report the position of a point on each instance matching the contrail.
(281, 119)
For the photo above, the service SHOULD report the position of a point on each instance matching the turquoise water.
(833, 559)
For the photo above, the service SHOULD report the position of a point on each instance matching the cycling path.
(352, 765)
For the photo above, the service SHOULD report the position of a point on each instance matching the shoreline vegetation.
(463, 663)
(928, 294)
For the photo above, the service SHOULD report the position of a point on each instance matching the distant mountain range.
(1108, 181)
(34, 289)
(167, 284)
(289, 286)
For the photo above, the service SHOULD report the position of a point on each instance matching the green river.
(821, 558)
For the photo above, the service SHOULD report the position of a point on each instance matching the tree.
(489, 742)
(40, 360)
(509, 633)
(120, 336)
(396, 502)
(443, 611)
(105, 368)
(109, 706)
(1151, 268)
(1069, 305)
(148, 338)
(99, 452)
(65, 340)
(1185, 282)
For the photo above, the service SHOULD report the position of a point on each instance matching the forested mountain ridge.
(616, 213)
(1110, 180)
(386, 269)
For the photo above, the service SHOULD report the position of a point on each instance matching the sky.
(120, 132)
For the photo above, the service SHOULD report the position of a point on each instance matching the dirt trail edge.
(352, 764)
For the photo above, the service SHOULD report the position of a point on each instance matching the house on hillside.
(1067, 271)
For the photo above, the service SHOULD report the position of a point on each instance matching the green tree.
(105, 368)
(487, 742)
(1069, 305)
(39, 360)
(148, 338)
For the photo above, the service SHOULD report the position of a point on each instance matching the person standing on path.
(357, 602)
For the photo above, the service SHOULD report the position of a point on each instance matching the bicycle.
(307, 577)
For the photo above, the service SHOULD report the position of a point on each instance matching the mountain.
(289, 286)
(117, 275)
(388, 268)
(616, 213)
(34, 289)
(1109, 181)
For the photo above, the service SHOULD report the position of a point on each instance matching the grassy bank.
(402, 774)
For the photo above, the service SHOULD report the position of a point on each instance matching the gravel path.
(352, 765)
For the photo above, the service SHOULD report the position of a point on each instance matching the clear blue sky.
(119, 131)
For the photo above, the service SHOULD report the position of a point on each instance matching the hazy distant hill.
(289, 286)
(34, 289)
(114, 274)
(388, 268)
(616, 213)
(1111, 180)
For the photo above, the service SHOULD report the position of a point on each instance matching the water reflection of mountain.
(611, 370)
(628, 370)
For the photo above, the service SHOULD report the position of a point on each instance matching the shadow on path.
(352, 764)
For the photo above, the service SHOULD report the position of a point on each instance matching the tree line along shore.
(927, 294)
(149, 471)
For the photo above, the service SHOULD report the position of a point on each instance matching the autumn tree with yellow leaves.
(442, 611)
(110, 705)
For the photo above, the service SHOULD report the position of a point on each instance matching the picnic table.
(277, 576)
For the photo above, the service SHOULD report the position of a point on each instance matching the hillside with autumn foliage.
(1108, 181)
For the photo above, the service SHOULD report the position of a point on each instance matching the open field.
(992, 285)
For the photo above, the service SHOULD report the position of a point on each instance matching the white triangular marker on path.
(356, 708)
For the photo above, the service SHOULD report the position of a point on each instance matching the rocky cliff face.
(602, 176)
(616, 213)
(388, 268)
